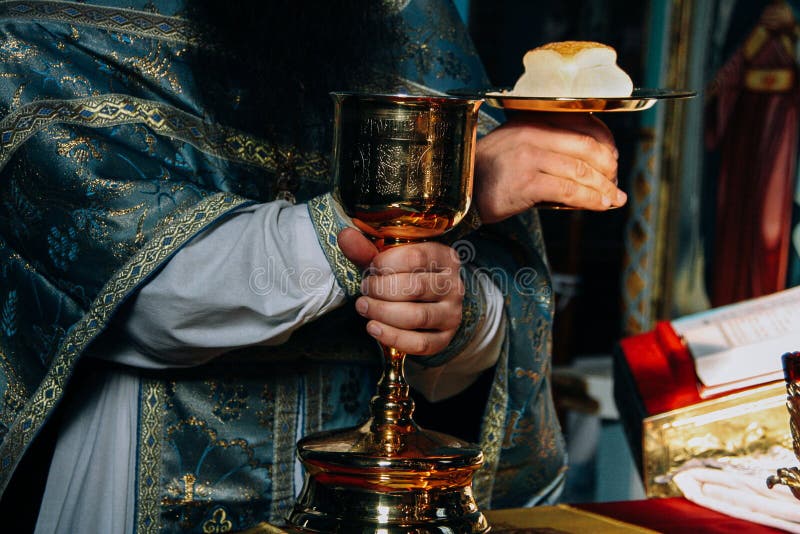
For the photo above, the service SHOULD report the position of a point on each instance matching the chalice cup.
(790, 476)
(402, 172)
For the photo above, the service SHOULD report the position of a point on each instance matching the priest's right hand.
(556, 158)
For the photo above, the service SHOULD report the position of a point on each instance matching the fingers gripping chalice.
(402, 172)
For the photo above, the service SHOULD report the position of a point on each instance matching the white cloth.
(740, 490)
(251, 280)
(91, 484)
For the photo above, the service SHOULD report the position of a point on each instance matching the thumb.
(356, 247)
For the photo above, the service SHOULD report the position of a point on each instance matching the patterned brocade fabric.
(127, 128)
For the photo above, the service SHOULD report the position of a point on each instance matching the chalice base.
(353, 486)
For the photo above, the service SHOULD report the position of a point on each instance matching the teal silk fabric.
(116, 148)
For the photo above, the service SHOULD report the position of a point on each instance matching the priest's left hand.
(412, 294)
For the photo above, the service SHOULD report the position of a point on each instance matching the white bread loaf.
(573, 69)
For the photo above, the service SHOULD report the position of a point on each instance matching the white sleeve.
(254, 279)
(250, 280)
(482, 351)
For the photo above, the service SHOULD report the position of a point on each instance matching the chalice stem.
(392, 406)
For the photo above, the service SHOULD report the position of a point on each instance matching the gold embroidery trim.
(114, 109)
(493, 431)
(128, 21)
(148, 472)
(284, 433)
(166, 241)
(219, 522)
(328, 225)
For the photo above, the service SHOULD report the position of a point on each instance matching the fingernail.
(374, 330)
(606, 201)
(362, 306)
(616, 154)
(621, 197)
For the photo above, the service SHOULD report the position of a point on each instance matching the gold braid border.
(128, 21)
(164, 243)
(115, 109)
(493, 430)
(284, 432)
(149, 460)
(328, 225)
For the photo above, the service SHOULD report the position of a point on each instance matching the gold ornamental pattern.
(139, 23)
(115, 109)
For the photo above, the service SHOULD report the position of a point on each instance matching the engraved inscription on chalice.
(403, 156)
(374, 166)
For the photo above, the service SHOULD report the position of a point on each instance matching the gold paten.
(736, 425)
(639, 100)
(402, 172)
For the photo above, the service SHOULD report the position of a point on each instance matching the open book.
(741, 345)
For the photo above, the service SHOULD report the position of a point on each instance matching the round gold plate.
(640, 100)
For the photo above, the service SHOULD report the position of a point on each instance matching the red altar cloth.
(674, 516)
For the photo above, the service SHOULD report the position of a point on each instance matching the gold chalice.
(402, 172)
(790, 476)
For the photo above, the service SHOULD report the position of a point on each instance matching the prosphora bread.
(573, 69)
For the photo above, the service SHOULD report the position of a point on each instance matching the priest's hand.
(412, 294)
(565, 158)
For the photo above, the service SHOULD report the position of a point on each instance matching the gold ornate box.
(667, 422)
(739, 424)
